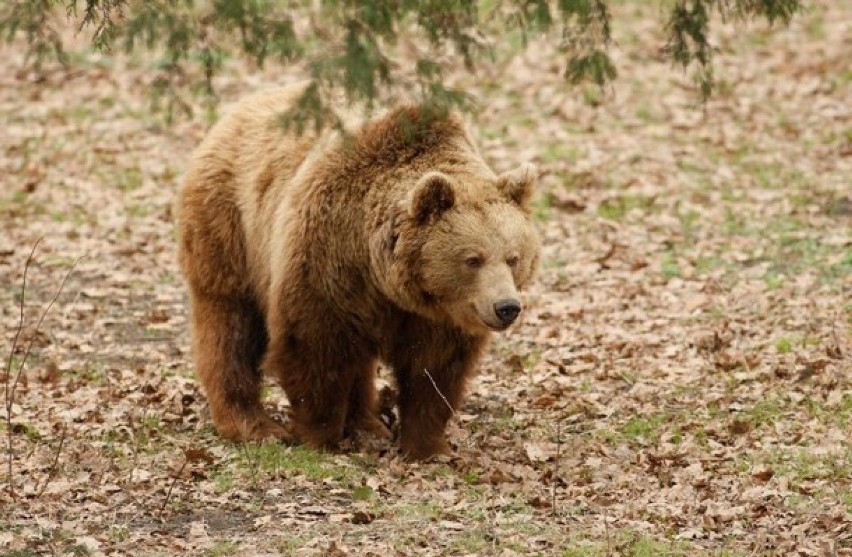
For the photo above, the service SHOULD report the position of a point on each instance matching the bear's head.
(461, 247)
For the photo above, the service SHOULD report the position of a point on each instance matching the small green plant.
(784, 345)
(670, 267)
(774, 280)
(844, 495)
(362, 493)
(79, 550)
(843, 412)
(221, 549)
(223, 481)
(130, 180)
(561, 153)
(588, 551)
(272, 459)
(592, 96)
(119, 532)
(648, 547)
(644, 428)
(764, 412)
(688, 224)
(705, 265)
(542, 206)
(618, 207)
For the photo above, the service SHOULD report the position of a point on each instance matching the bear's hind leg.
(229, 337)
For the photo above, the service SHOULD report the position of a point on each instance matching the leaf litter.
(679, 385)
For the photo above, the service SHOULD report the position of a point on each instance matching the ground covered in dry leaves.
(680, 384)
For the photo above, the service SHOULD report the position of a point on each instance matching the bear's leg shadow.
(432, 373)
(229, 337)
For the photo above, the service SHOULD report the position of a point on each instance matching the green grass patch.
(735, 222)
(705, 265)
(418, 511)
(689, 223)
(362, 493)
(137, 210)
(648, 547)
(764, 412)
(670, 266)
(542, 206)
(221, 549)
(628, 543)
(290, 544)
(129, 180)
(618, 207)
(588, 550)
(644, 428)
(276, 459)
(561, 152)
(223, 481)
(843, 413)
(73, 216)
(844, 495)
(639, 430)
(803, 465)
(592, 95)
(784, 345)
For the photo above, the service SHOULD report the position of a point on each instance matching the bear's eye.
(512, 261)
(474, 261)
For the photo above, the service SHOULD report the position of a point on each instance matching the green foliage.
(688, 27)
(350, 45)
(32, 18)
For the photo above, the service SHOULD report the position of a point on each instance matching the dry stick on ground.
(12, 386)
(835, 351)
(241, 446)
(555, 468)
(171, 487)
(52, 471)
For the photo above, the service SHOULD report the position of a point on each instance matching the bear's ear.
(518, 184)
(432, 195)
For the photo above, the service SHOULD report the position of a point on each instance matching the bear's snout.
(507, 310)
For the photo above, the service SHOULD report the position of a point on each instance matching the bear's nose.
(507, 310)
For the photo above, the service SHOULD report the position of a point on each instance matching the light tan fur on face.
(496, 234)
(311, 258)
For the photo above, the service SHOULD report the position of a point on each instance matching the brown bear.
(313, 257)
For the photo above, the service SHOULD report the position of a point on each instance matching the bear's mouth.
(484, 321)
(499, 328)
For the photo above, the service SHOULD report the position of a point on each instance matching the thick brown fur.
(314, 257)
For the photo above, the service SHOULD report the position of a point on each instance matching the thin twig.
(7, 393)
(38, 325)
(11, 388)
(447, 402)
(20, 323)
(52, 470)
(243, 447)
(171, 487)
(555, 467)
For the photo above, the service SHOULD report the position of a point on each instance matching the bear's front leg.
(364, 413)
(318, 363)
(432, 373)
